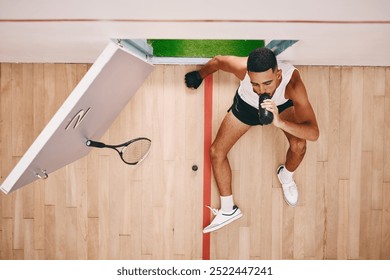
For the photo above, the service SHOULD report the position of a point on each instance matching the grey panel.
(86, 114)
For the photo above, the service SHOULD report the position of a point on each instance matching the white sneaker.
(290, 189)
(222, 218)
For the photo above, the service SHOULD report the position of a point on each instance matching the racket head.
(136, 150)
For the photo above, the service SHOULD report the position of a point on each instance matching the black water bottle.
(265, 116)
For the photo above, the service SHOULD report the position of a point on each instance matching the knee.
(298, 146)
(216, 154)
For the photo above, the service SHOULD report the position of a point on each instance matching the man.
(259, 73)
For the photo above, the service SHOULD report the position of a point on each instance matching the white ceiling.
(331, 32)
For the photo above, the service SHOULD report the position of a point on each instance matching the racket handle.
(95, 144)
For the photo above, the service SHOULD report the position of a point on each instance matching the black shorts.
(248, 114)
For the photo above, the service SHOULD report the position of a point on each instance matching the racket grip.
(94, 144)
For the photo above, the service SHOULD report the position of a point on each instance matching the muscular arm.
(304, 125)
(232, 64)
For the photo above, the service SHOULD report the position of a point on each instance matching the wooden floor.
(98, 208)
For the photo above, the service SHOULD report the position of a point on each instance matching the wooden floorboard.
(99, 208)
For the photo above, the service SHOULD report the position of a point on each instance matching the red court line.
(208, 106)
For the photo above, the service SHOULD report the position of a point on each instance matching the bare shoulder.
(295, 89)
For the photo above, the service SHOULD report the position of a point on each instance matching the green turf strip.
(203, 48)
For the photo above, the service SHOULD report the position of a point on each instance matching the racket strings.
(136, 151)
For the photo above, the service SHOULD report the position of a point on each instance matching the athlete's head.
(262, 59)
(263, 71)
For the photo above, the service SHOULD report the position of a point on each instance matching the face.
(265, 82)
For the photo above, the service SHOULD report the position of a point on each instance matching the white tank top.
(245, 90)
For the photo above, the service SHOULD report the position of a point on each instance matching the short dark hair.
(261, 59)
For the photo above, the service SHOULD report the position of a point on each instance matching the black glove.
(193, 79)
(265, 116)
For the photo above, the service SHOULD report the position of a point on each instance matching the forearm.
(213, 65)
(304, 130)
(230, 64)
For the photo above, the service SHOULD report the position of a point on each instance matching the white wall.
(332, 32)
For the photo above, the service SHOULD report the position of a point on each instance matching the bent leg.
(297, 149)
(294, 157)
(228, 134)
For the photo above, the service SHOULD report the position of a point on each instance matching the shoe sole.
(222, 225)
(284, 197)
